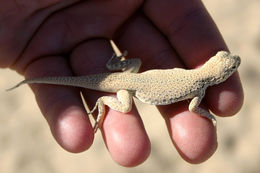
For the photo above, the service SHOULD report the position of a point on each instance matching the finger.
(61, 106)
(141, 39)
(193, 34)
(70, 26)
(124, 134)
(19, 25)
(194, 137)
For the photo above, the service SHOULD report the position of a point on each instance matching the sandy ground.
(26, 144)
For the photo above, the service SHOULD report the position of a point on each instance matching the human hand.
(49, 39)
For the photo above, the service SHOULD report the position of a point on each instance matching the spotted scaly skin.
(155, 87)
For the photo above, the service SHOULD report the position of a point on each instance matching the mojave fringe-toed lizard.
(155, 87)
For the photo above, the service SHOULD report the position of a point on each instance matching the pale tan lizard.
(155, 87)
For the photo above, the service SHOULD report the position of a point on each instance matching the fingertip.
(125, 138)
(226, 99)
(194, 137)
(72, 130)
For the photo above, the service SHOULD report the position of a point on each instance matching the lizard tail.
(69, 81)
(16, 86)
(89, 82)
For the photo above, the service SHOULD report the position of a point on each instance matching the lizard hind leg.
(123, 103)
(194, 107)
(116, 63)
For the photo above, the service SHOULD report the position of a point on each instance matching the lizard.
(155, 87)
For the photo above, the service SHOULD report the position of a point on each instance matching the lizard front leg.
(116, 63)
(194, 107)
(123, 103)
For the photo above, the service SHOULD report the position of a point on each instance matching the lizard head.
(222, 66)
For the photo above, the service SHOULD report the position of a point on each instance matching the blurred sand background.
(26, 144)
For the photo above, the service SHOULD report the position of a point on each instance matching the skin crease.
(48, 39)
